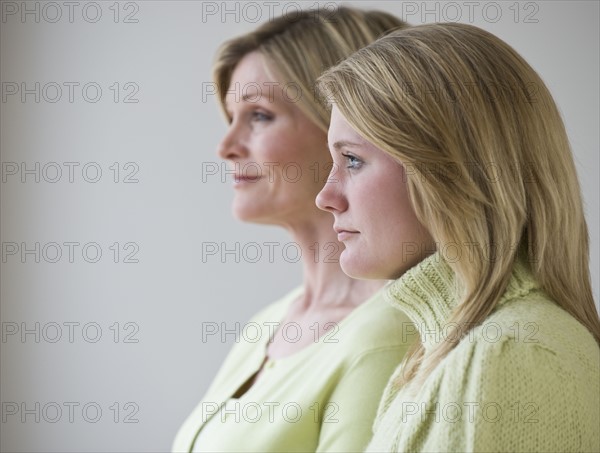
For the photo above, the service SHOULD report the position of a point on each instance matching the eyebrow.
(254, 96)
(226, 104)
(344, 144)
(245, 98)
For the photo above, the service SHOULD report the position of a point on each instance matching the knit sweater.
(526, 379)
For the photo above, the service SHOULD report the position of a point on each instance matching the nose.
(332, 198)
(232, 146)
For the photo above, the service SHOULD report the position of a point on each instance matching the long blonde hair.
(491, 169)
(301, 46)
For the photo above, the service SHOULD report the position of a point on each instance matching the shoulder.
(535, 324)
(375, 328)
(533, 367)
(530, 333)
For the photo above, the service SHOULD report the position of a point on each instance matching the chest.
(296, 333)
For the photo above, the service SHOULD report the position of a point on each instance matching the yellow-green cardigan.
(323, 398)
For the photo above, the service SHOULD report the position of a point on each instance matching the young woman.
(454, 178)
(314, 383)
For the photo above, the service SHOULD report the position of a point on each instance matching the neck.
(325, 284)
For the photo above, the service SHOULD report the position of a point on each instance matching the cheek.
(301, 145)
(267, 148)
(387, 219)
(280, 160)
(372, 206)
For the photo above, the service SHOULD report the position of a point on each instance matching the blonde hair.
(301, 46)
(490, 164)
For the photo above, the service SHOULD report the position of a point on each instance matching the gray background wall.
(124, 334)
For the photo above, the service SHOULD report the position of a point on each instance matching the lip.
(344, 233)
(242, 180)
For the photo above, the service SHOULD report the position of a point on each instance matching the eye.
(259, 116)
(353, 162)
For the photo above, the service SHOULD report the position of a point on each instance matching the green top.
(322, 398)
(527, 379)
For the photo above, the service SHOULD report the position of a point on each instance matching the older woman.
(455, 179)
(315, 387)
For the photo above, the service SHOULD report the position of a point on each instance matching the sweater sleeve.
(347, 420)
(516, 397)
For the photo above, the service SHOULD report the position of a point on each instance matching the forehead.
(340, 129)
(252, 68)
(342, 135)
(254, 79)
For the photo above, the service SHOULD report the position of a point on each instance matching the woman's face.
(367, 193)
(277, 157)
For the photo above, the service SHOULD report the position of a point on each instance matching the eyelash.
(354, 162)
(255, 116)
(260, 116)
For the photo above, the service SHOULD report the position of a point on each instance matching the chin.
(355, 268)
(361, 269)
(245, 213)
(245, 216)
(241, 214)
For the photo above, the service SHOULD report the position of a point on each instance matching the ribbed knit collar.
(427, 293)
